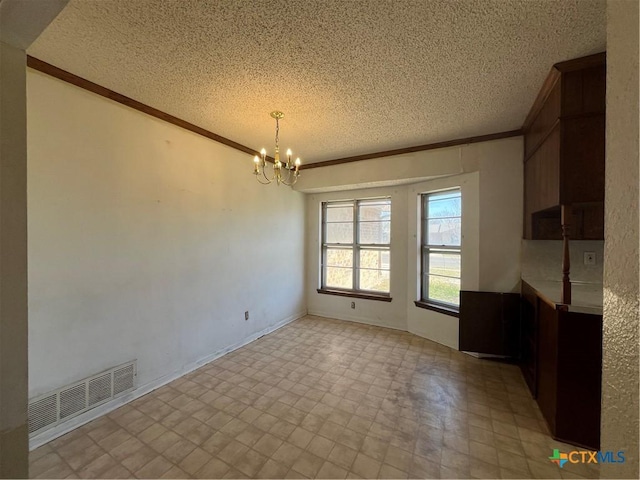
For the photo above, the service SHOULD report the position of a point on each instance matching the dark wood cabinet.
(529, 338)
(565, 152)
(562, 365)
(489, 322)
(548, 363)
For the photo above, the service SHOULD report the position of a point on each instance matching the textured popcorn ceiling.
(352, 77)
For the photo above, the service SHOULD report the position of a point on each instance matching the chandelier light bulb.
(298, 162)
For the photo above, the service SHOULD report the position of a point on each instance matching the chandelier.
(291, 171)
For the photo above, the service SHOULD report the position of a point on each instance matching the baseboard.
(439, 341)
(61, 429)
(350, 318)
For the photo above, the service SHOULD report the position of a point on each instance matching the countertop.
(585, 297)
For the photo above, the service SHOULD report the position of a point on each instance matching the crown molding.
(417, 148)
(85, 84)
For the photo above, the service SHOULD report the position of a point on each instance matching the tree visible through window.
(441, 242)
(356, 238)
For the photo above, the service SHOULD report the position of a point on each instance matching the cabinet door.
(529, 339)
(579, 378)
(547, 362)
(489, 323)
(542, 179)
(583, 165)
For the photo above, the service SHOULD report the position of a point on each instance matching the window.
(356, 237)
(441, 254)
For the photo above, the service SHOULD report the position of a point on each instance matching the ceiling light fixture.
(260, 162)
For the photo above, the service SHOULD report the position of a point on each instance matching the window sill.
(366, 296)
(451, 311)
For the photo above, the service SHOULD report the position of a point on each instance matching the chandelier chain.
(277, 132)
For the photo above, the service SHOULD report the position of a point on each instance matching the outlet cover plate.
(589, 258)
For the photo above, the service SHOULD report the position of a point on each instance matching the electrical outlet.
(353, 305)
(589, 258)
(246, 315)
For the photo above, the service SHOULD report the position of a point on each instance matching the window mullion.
(323, 248)
(426, 267)
(356, 246)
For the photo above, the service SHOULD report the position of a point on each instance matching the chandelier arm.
(261, 182)
(291, 184)
(295, 179)
(264, 174)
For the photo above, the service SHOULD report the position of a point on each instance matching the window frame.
(356, 247)
(425, 248)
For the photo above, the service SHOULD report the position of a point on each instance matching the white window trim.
(425, 248)
(356, 247)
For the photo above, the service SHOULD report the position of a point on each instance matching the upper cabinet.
(564, 137)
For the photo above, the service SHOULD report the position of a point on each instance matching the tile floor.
(322, 398)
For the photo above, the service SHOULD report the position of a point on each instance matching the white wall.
(490, 175)
(146, 242)
(13, 263)
(501, 208)
(621, 286)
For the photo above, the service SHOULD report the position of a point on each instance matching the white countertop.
(585, 297)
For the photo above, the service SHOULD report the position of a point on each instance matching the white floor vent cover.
(60, 405)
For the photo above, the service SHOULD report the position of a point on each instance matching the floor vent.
(56, 407)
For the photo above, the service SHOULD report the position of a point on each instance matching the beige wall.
(620, 332)
(146, 242)
(490, 175)
(13, 264)
(20, 24)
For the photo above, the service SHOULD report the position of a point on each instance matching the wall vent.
(123, 379)
(43, 413)
(56, 407)
(73, 400)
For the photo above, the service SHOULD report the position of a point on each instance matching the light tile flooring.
(322, 398)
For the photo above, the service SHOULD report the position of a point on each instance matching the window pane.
(339, 257)
(446, 204)
(444, 289)
(444, 231)
(339, 233)
(375, 232)
(376, 280)
(374, 210)
(338, 277)
(340, 213)
(447, 264)
(378, 259)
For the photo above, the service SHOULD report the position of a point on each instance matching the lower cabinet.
(489, 322)
(568, 370)
(529, 338)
